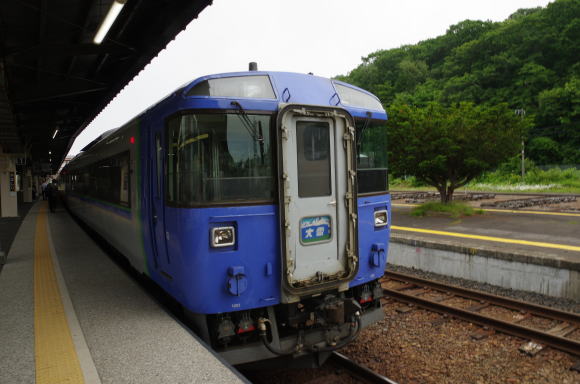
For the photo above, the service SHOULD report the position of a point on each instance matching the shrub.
(453, 209)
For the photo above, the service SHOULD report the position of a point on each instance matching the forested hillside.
(529, 61)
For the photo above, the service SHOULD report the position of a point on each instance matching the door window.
(313, 147)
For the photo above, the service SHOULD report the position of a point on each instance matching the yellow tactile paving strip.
(489, 238)
(56, 358)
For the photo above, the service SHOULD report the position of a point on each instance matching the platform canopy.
(54, 79)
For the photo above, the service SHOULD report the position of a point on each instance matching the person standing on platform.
(52, 194)
(43, 188)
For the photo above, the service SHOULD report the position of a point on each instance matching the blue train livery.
(257, 200)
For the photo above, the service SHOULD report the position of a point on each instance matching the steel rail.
(534, 309)
(557, 342)
(359, 370)
(541, 194)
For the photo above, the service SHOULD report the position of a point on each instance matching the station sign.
(12, 181)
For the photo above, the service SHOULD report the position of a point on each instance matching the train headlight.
(381, 218)
(223, 237)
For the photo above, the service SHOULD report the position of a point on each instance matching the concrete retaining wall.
(547, 276)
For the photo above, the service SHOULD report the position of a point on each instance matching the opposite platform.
(113, 331)
(536, 252)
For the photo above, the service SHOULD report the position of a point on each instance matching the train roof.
(259, 88)
(265, 90)
(289, 87)
(102, 136)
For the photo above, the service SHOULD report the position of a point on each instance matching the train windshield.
(219, 158)
(371, 138)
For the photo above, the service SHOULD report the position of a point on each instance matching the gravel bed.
(549, 301)
(530, 202)
(566, 203)
(424, 347)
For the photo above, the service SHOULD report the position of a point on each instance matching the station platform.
(9, 226)
(534, 251)
(69, 314)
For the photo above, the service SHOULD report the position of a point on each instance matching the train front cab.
(267, 246)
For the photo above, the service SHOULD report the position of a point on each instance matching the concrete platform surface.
(9, 226)
(545, 239)
(121, 334)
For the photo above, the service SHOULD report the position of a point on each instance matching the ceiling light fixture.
(114, 11)
(54, 134)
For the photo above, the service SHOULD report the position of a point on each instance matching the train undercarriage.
(301, 334)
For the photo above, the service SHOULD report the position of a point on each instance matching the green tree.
(561, 103)
(529, 61)
(447, 147)
(544, 150)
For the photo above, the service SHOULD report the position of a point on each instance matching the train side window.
(124, 166)
(371, 153)
(107, 180)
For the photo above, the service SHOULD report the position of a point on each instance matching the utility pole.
(522, 113)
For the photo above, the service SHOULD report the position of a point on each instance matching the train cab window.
(258, 87)
(356, 98)
(371, 140)
(219, 158)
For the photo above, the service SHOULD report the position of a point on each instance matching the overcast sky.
(326, 37)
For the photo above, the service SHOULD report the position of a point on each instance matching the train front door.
(317, 191)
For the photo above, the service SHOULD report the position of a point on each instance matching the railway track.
(358, 370)
(502, 193)
(542, 326)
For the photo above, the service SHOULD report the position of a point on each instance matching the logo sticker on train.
(315, 229)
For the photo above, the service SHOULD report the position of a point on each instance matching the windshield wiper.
(363, 128)
(250, 126)
(248, 123)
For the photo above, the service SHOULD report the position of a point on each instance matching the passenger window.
(124, 195)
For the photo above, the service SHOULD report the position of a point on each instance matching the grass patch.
(536, 180)
(455, 210)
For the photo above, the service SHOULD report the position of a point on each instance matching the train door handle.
(154, 218)
(333, 203)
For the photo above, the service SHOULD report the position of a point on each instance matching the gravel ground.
(421, 347)
(424, 347)
(549, 301)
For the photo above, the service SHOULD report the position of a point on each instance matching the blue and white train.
(258, 200)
